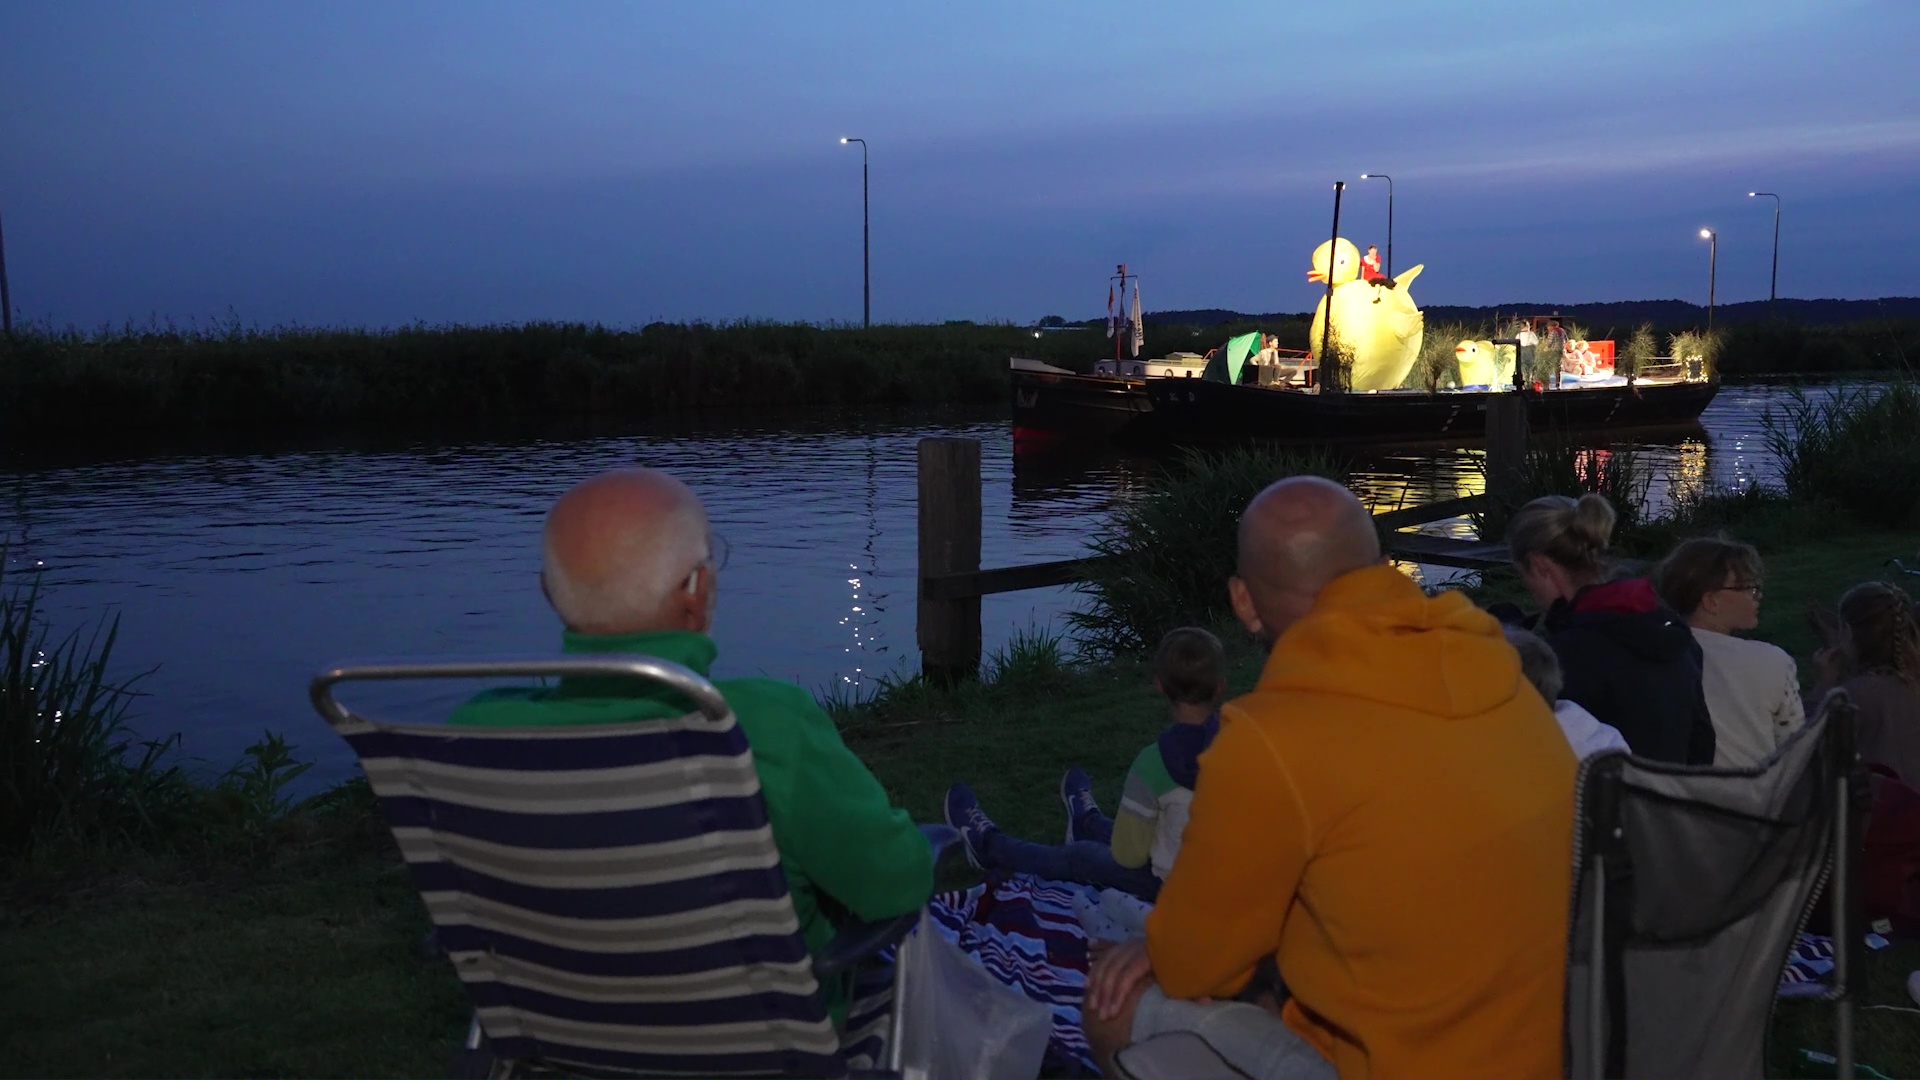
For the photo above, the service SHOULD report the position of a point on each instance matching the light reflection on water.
(236, 575)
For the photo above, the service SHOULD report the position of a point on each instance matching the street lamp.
(6, 298)
(1713, 261)
(1774, 286)
(1389, 180)
(866, 272)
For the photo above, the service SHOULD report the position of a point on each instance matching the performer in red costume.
(1370, 265)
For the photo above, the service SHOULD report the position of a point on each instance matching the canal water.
(236, 575)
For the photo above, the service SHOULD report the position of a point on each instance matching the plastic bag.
(1111, 915)
(960, 1021)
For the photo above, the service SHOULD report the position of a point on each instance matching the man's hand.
(1115, 974)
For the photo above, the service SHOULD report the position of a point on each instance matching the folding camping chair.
(610, 894)
(1690, 888)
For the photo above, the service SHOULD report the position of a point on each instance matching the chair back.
(1690, 887)
(609, 894)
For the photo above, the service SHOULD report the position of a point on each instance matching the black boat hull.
(1049, 405)
(1197, 411)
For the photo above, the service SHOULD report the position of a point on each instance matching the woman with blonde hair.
(1625, 657)
(1873, 653)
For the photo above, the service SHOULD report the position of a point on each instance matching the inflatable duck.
(1484, 364)
(1376, 322)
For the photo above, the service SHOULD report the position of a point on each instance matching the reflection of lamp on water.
(869, 611)
(1713, 264)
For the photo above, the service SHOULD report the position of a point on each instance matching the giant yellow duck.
(1377, 323)
(1482, 363)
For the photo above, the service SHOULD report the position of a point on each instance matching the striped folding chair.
(610, 895)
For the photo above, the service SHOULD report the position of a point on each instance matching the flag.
(1139, 328)
(1109, 309)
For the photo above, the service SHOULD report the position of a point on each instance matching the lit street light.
(1774, 286)
(866, 272)
(1713, 261)
(6, 298)
(1389, 180)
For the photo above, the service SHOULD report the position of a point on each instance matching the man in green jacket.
(628, 567)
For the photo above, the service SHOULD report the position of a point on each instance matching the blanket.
(1027, 932)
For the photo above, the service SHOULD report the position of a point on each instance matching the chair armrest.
(862, 940)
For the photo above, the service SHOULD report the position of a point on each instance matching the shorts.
(1252, 1039)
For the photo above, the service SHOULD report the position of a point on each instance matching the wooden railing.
(952, 582)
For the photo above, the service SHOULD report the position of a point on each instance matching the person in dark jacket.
(1626, 658)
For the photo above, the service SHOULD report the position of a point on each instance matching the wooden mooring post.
(951, 582)
(949, 626)
(1506, 446)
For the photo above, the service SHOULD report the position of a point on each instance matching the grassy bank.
(300, 957)
(68, 387)
(155, 925)
(139, 383)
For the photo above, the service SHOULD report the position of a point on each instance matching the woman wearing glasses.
(1753, 688)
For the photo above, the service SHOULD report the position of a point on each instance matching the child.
(1135, 852)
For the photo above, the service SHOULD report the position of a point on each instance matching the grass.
(159, 381)
(1170, 551)
(302, 960)
(1854, 450)
(303, 963)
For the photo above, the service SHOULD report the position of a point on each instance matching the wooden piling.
(949, 626)
(1506, 445)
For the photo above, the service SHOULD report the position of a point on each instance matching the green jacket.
(838, 835)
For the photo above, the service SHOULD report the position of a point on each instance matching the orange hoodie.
(1390, 815)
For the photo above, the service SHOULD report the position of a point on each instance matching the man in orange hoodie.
(1388, 816)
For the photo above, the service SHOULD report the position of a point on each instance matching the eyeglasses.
(717, 551)
(1751, 590)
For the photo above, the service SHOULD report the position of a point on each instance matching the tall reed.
(68, 763)
(1855, 449)
(1170, 552)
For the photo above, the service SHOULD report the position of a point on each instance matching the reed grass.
(1168, 554)
(1855, 450)
(69, 765)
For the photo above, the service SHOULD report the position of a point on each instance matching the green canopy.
(1226, 364)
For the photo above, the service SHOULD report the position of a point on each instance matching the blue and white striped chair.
(611, 894)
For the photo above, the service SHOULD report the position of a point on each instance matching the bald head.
(620, 550)
(1296, 536)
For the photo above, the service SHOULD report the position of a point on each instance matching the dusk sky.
(373, 164)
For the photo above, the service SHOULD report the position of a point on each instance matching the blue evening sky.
(380, 163)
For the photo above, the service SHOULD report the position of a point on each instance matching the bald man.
(629, 568)
(1388, 816)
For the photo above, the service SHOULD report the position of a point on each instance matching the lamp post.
(6, 298)
(1389, 180)
(866, 272)
(1713, 262)
(1774, 286)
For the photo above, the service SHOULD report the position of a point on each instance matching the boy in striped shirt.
(1135, 851)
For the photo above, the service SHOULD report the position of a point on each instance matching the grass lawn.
(304, 961)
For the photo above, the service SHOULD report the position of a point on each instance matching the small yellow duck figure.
(1483, 364)
(1376, 322)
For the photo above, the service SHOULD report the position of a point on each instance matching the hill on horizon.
(1620, 313)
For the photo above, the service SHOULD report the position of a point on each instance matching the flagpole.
(1327, 362)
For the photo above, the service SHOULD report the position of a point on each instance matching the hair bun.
(1593, 520)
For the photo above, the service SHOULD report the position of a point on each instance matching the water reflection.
(237, 573)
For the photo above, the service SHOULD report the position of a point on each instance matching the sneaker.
(975, 827)
(1076, 792)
